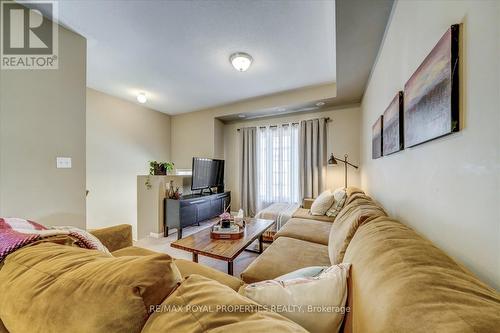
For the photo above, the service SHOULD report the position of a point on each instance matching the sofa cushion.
(350, 190)
(361, 197)
(347, 222)
(60, 288)
(401, 282)
(303, 213)
(186, 267)
(204, 305)
(283, 256)
(308, 230)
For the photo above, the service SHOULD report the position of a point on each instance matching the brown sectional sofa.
(399, 281)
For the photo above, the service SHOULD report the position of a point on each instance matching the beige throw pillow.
(317, 303)
(340, 197)
(322, 203)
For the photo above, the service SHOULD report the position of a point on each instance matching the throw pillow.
(202, 305)
(317, 303)
(322, 203)
(60, 288)
(340, 197)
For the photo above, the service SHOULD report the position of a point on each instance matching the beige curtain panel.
(248, 170)
(312, 157)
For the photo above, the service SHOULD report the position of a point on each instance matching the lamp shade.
(332, 160)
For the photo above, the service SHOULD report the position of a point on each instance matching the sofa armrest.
(307, 203)
(115, 237)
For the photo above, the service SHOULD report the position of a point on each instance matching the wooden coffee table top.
(223, 249)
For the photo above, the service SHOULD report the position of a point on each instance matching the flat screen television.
(207, 173)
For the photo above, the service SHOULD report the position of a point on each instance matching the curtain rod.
(327, 119)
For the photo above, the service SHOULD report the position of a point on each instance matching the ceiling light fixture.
(141, 98)
(242, 116)
(320, 103)
(241, 61)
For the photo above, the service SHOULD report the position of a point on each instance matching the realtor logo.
(28, 38)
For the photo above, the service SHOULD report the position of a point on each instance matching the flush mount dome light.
(141, 98)
(241, 61)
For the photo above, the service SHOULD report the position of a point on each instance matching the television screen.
(207, 173)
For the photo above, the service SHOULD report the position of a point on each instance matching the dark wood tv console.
(192, 209)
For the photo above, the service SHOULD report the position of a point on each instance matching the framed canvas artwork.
(377, 138)
(392, 137)
(431, 94)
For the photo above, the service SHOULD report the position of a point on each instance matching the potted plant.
(160, 168)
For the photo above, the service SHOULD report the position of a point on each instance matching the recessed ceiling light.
(320, 103)
(241, 61)
(141, 98)
(281, 109)
(242, 116)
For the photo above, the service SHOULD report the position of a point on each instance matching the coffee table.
(200, 242)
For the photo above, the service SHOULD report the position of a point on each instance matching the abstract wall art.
(392, 137)
(377, 140)
(431, 94)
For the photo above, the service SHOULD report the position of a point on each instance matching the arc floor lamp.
(334, 160)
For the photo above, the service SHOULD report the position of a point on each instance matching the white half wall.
(446, 189)
(122, 137)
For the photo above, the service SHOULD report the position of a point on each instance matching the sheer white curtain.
(277, 165)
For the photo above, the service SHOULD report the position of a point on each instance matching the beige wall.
(192, 135)
(196, 134)
(122, 137)
(218, 139)
(42, 116)
(447, 189)
(343, 138)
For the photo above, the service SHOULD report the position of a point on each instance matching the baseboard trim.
(156, 234)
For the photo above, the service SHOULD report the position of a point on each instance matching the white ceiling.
(177, 51)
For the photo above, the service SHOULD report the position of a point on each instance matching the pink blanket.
(16, 233)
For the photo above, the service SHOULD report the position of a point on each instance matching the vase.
(170, 192)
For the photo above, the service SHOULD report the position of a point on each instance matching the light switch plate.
(63, 162)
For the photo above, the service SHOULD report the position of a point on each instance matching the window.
(277, 165)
